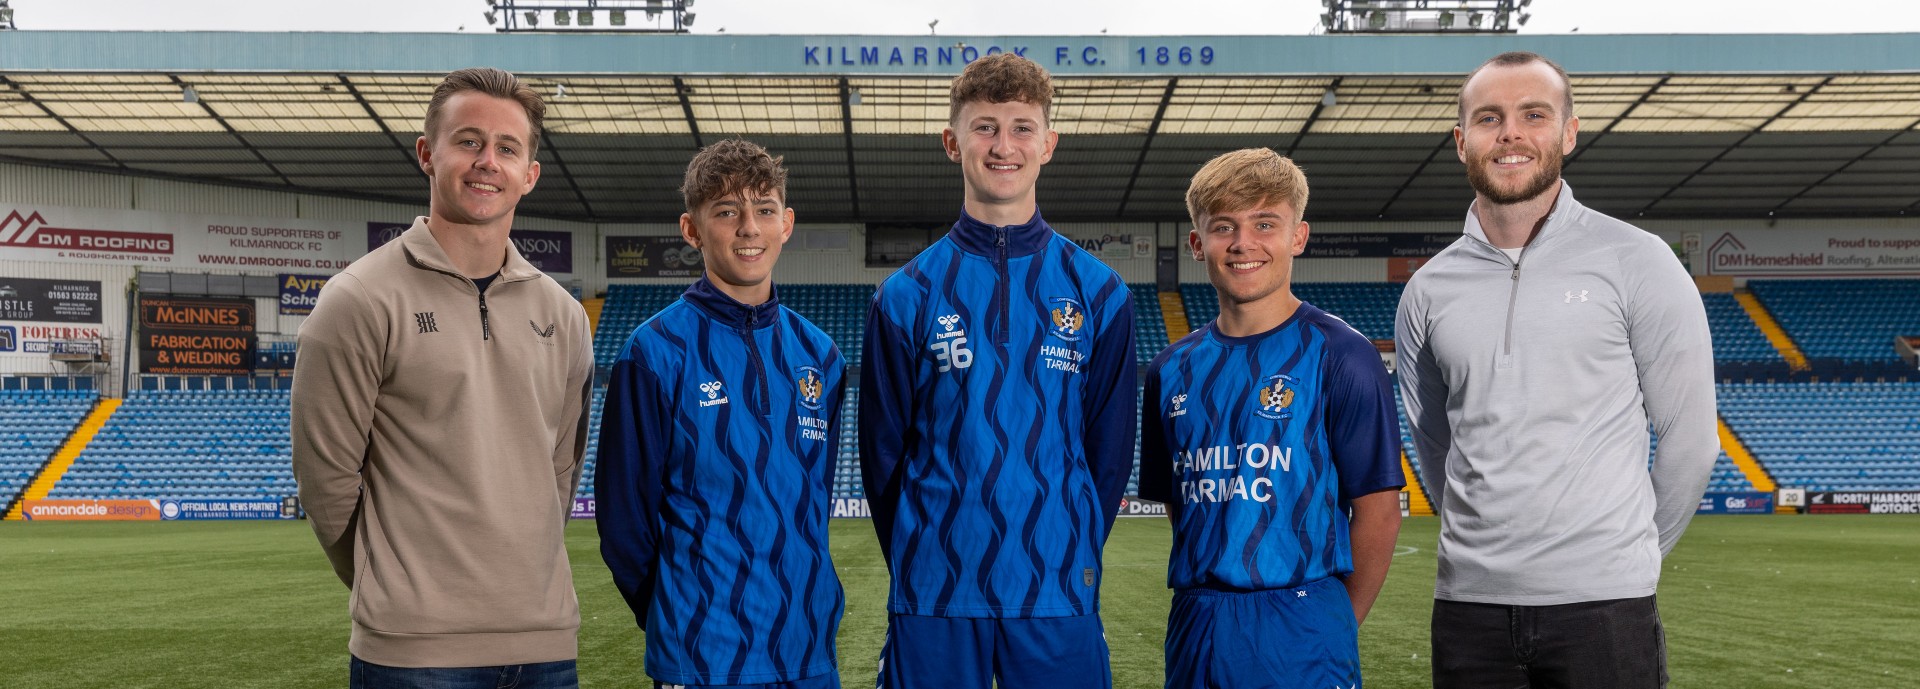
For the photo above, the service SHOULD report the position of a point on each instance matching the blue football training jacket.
(997, 422)
(716, 458)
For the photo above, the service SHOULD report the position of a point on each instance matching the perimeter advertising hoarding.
(1863, 502)
(583, 508)
(49, 301)
(1736, 503)
(91, 510)
(299, 293)
(1798, 253)
(264, 508)
(1130, 506)
(170, 240)
(652, 257)
(193, 336)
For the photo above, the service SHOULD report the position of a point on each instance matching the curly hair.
(1244, 179)
(1001, 78)
(732, 166)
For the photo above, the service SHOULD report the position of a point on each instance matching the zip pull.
(1516, 271)
(1001, 232)
(486, 327)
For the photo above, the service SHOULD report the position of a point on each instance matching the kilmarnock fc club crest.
(809, 380)
(1068, 318)
(1274, 398)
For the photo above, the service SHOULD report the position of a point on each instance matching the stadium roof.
(1672, 126)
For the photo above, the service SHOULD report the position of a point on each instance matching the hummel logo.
(1179, 405)
(424, 319)
(543, 333)
(950, 320)
(712, 388)
(1299, 594)
(1582, 296)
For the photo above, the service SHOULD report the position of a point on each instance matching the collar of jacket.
(1025, 239)
(717, 305)
(1566, 211)
(424, 251)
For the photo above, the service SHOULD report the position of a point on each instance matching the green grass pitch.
(1769, 601)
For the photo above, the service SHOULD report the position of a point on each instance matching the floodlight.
(1326, 20)
(653, 8)
(1446, 20)
(491, 17)
(1474, 20)
(586, 17)
(533, 18)
(1524, 3)
(686, 4)
(562, 18)
(617, 17)
(931, 30)
(1524, 17)
(1377, 19)
(686, 19)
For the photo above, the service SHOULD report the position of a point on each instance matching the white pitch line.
(1404, 550)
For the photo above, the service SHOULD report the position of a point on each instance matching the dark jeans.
(559, 674)
(1609, 644)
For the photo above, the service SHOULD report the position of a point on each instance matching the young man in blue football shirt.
(997, 418)
(1270, 434)
(717, 447)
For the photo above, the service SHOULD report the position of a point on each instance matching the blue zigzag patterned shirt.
(1259, 444)
(997, 422)
(717, 446)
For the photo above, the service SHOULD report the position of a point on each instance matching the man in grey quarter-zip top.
(1533, 354)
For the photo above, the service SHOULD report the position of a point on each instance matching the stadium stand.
(188, 445)
(1736, 339)
(1830, 436)
(35, 423)
(1149, 327)
(1367, 306)
(627, 306)
(593, 443)
(1845, 327)
(838, 310)
(846, 466)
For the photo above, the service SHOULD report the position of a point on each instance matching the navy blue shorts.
(829, 680)
(1302, 637)
(969, 653)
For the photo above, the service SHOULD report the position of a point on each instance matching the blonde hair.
(1245, 179)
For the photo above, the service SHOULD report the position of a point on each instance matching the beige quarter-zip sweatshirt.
(437, 441)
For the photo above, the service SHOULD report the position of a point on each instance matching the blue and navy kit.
(717, 447)
(1259, 444)
(997, 422)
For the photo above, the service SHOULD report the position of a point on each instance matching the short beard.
(1550, 163)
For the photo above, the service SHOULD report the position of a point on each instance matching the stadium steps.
(57, 467)
(593, 307)
(1417, 503)
(1755, 473)
(1771, 328)
(1174, 311)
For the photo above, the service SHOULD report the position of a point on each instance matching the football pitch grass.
(1769, 601)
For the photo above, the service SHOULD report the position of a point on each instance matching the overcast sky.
(967, 17)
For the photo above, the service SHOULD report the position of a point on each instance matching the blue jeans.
(559, 674)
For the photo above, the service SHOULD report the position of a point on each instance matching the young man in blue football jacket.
(1270, 434)
(717, 447)
(997, 418)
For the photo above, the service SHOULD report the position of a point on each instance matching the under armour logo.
(1582, 296)
(950, 320)
(424, 319)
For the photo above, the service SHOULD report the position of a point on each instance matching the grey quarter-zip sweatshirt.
(1529, 388)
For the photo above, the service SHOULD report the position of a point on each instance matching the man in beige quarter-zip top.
(439, 419)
